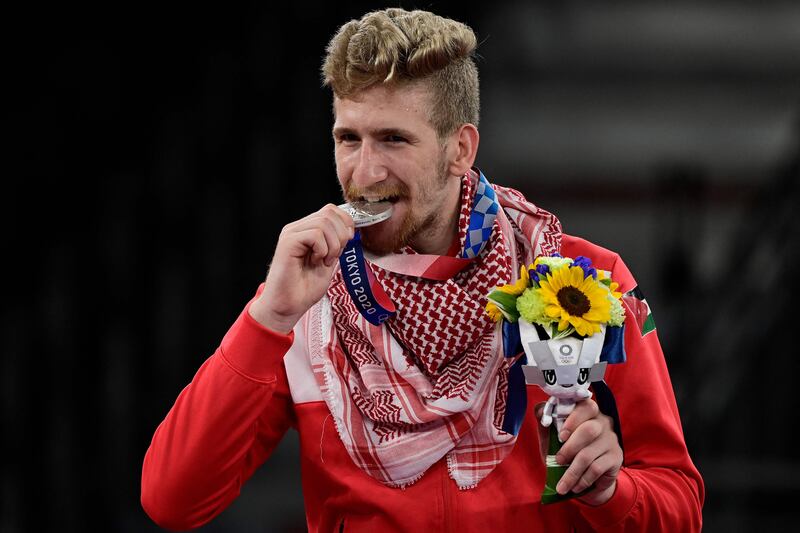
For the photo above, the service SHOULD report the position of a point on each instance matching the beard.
(381, 241)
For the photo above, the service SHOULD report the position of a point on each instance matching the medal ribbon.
(517, 400)
(371, 300)
(367, 294)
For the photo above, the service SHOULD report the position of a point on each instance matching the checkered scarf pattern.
(431, 382)
(438, 322)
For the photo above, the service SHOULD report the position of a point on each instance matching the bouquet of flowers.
(561, 294)
(563, 307)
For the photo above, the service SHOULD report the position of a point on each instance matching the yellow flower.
(515, 289)
(575, 301)
(612, 287)
(494, 312)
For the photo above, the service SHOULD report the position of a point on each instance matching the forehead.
(385, 105)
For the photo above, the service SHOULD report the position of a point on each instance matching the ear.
(463, 148)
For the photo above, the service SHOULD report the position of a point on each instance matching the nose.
(369, 165)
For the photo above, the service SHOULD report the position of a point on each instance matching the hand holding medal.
(302, 266)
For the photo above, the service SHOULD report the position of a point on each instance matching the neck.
(441, 228)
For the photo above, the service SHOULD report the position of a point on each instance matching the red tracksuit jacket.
(242, 400)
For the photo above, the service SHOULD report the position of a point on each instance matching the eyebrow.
(382, 132)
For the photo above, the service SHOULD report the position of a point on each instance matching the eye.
(549, 376)
(347, 137)
(395, 139)
(583, 375)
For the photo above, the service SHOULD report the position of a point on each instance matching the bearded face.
(414, 210)
(386, 149)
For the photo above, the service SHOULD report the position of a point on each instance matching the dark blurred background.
(156, 151)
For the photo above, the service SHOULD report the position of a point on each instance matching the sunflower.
(575, 300)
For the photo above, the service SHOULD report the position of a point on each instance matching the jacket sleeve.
(222, 427)
(658, 488)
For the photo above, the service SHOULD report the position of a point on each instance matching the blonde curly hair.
(395, 46)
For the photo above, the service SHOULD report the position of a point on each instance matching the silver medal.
(368, 213)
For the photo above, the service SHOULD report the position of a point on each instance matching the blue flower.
(586, 265)
(539, 272)
(582, 261)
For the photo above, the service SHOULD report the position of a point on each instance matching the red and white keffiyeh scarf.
(431, 381)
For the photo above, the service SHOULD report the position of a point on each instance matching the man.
(401, 421)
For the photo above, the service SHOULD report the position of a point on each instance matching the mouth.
(375, 199)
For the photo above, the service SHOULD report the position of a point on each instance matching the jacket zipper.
(446, 504)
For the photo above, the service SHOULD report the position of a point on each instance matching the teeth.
(375, 198)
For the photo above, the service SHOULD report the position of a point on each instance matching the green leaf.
(511, 316)
(503, 299)
(507, 303)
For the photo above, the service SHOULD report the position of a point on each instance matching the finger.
(611, 474)
(601, 472)
(583, 436)
(317, 219)
(342, 216)
(335, 244)
(332, 215)
(582, 468)
(570, 478)
(324, 226)
(329, 217)
(326, 211)
(341, 221)
(585, 468)
(584, 410)
(309, 243)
